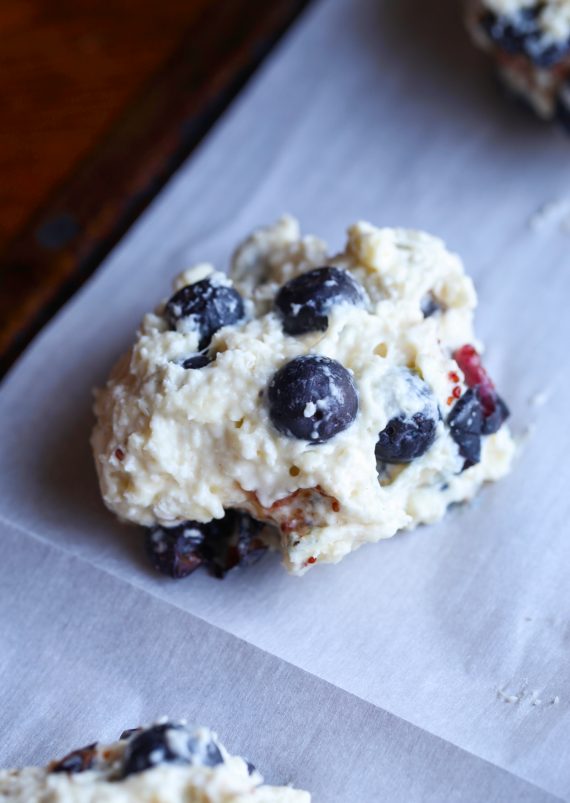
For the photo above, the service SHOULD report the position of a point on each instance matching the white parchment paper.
(86, 655)
(375, 110)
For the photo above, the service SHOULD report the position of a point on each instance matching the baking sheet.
(382, 111)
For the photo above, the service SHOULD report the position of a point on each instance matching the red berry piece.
(495, 411)
(468, 359)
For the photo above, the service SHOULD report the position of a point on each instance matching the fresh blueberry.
(205, 307)
(547, 56)
(493, 416)
(312, 398)
(168, 743)
(305, 302)
(77, 761)
(176, 551)
(510, 32)
(197, 361)
(466, 423)
(407, 437)
(521, 33)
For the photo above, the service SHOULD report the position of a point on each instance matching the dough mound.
(197, 769)
(173, 444)
(530, 43)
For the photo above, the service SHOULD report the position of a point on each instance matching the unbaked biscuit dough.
(96, 774)
(173, 444)
(553, 16)
(530, 41)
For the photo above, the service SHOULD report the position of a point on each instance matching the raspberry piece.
(470, 363)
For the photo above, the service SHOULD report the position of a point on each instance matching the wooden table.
(101, 101)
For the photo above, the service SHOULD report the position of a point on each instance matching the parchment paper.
(101, 655)
(375, 110)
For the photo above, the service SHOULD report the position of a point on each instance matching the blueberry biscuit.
(165, 763)
(530, 42)
(314, 401)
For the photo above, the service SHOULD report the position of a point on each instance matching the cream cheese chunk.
(229, 781)
(172, 444)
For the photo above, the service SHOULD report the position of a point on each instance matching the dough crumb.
(533, 698)
(508, 698)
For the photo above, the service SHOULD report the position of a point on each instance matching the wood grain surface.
(101, 102)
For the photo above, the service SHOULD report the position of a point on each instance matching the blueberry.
(305, 302)
(233, 541)
(168, 743)
(409, 436)
(176, 551)
(495, 411)
(197, 361)
(218, 545)
(405, 439)
(510, 32)
(521, 33)
(548, 56)
(250, 546)
(126, 734)
(204, 751)
(77, 761)
(466, 424)
(494, 415)
(230, 542)
(205, 306)
(312, 398)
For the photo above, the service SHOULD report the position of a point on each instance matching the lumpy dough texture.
(173, 444)
(530, 42)
(179, 769)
